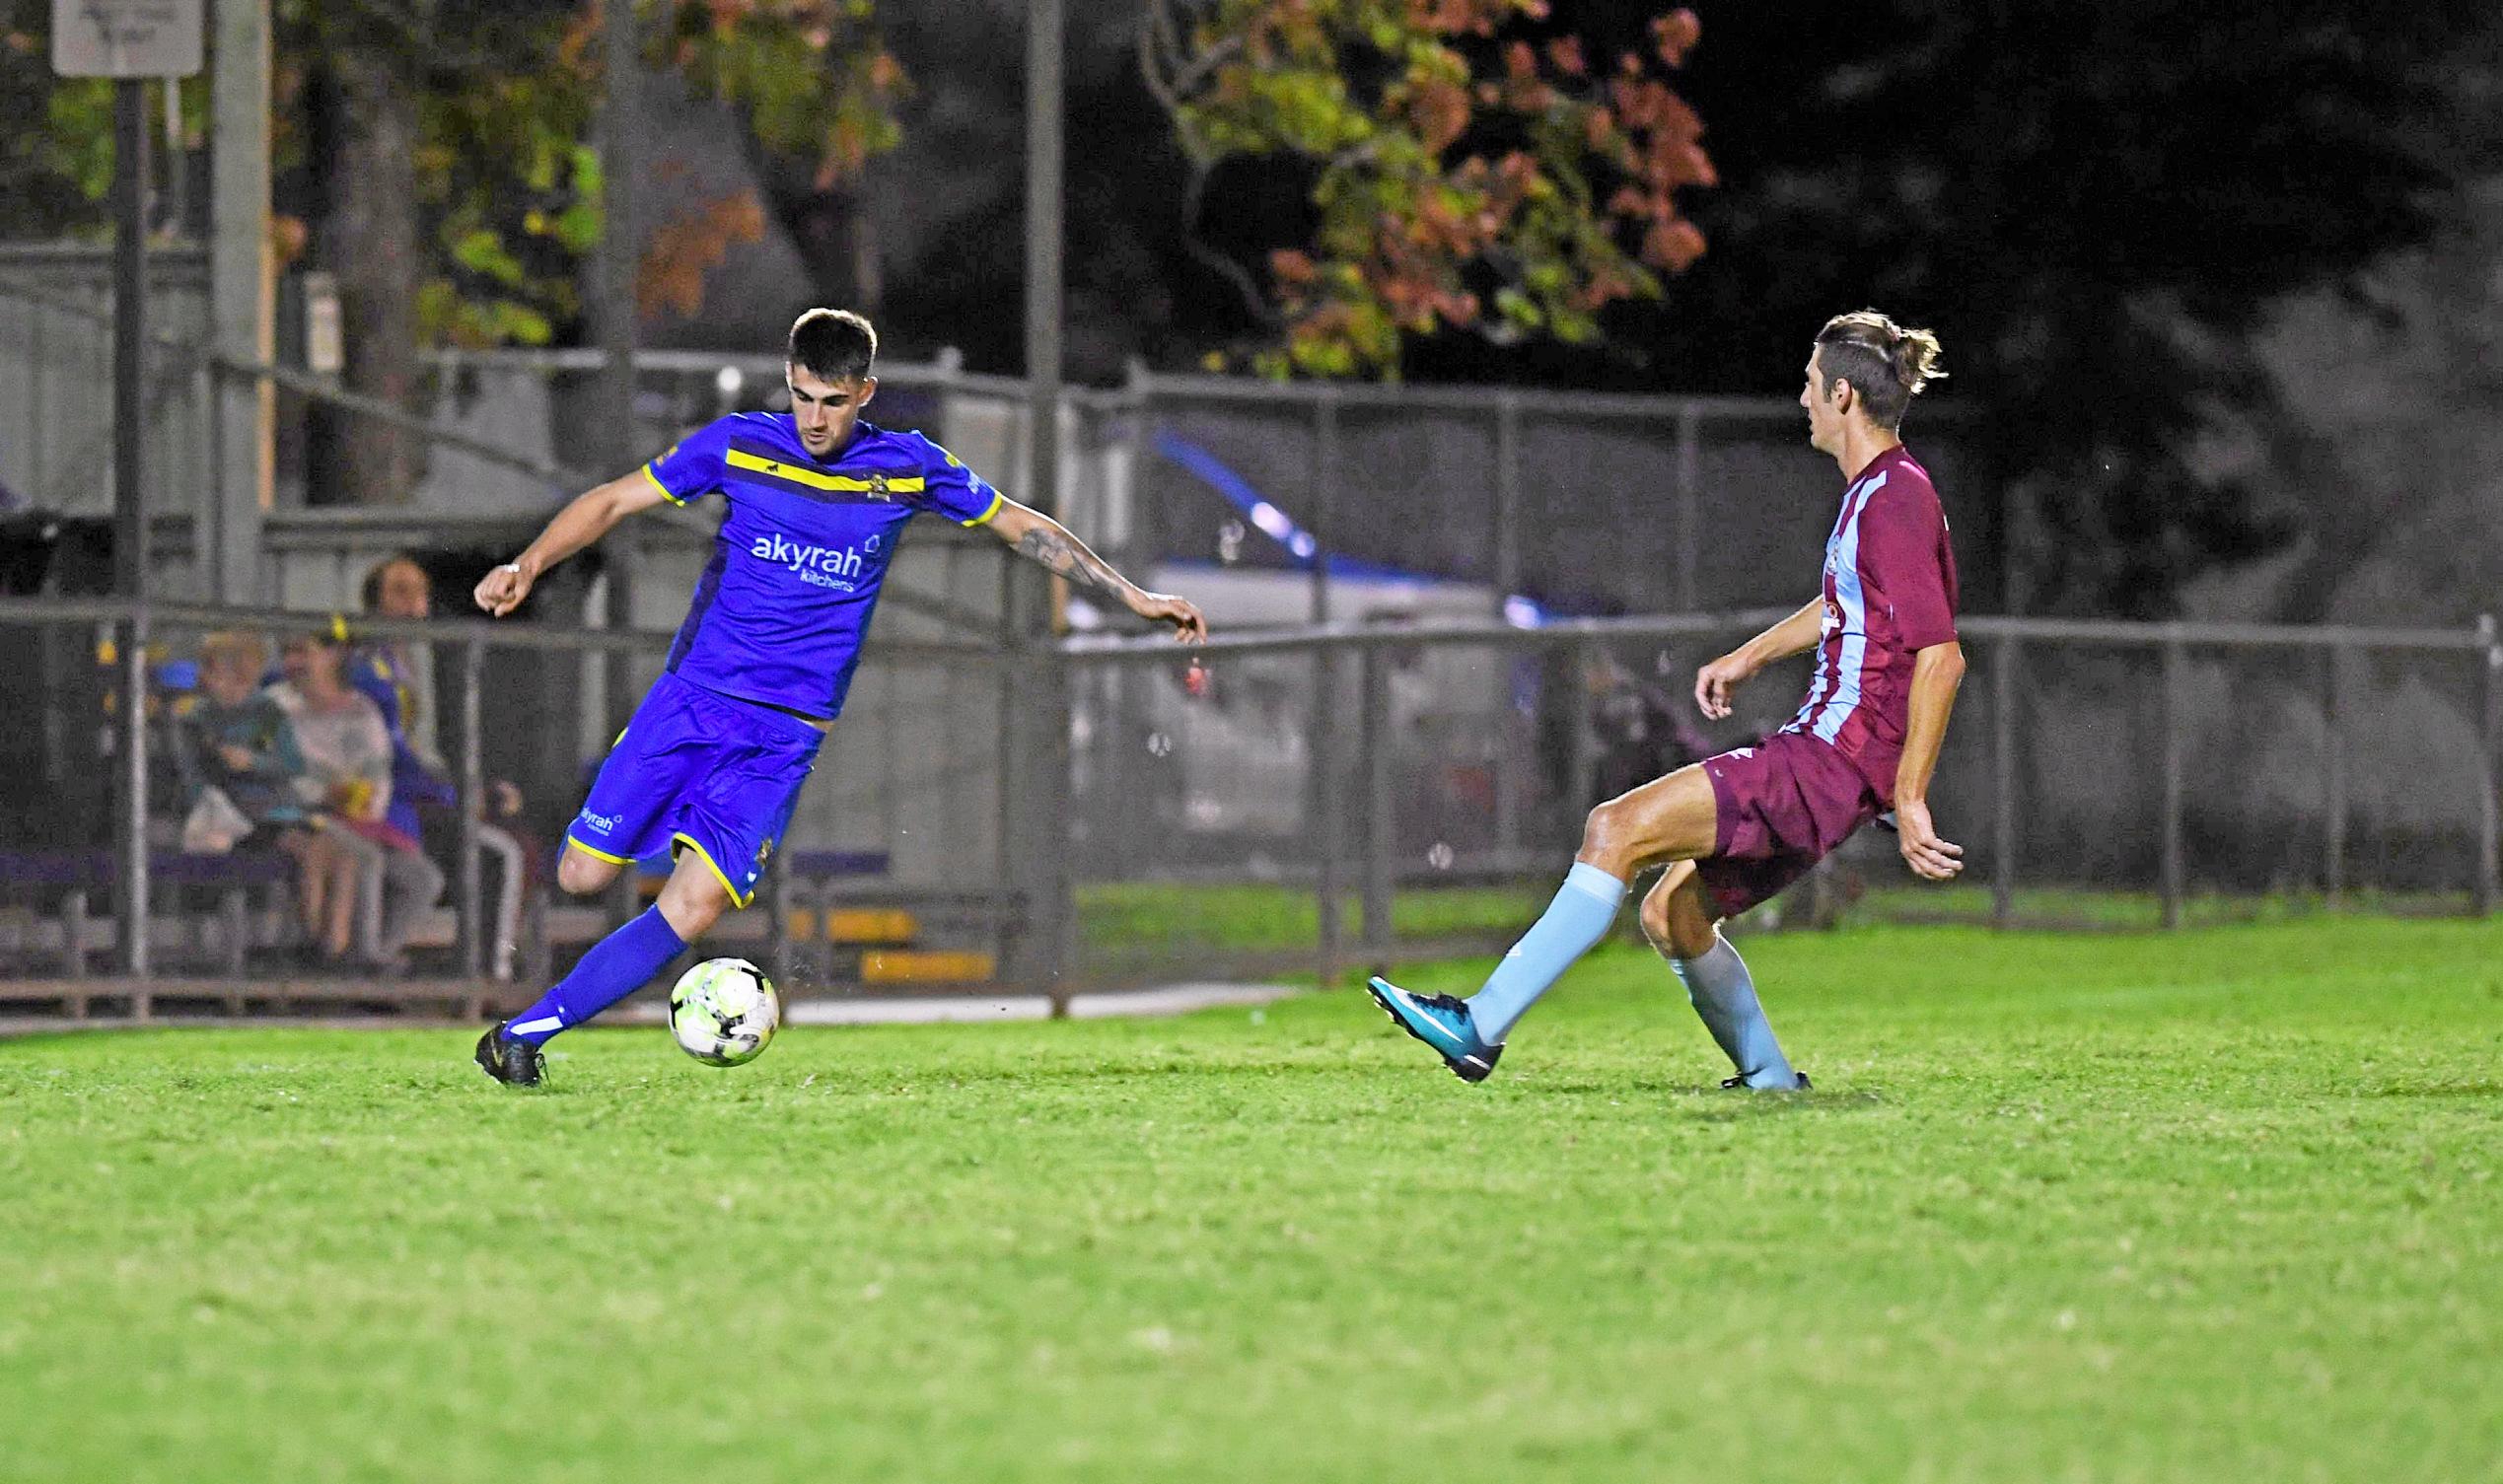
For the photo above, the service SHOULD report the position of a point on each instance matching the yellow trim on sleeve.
(880, 484)
(598, 855)
(735, 900)
(985, 518)
(662, 488)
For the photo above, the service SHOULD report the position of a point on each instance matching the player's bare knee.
(1609, 836)
(579, 875)
(692, 904)
(1654, 918)
(1675, 917)
(691, 920)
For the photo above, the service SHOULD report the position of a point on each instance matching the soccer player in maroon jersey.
(1737, 829)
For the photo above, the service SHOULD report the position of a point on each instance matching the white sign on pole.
(126, 37)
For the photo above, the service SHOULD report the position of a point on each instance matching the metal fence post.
(2334, 763)
(2489, 743)
(1506, 570)
(1584, 777)
(1381, 832)
(1052, 905)
(1689, 522)
(1324, 528)
(777, 909)
(130, 905)
(2003, 766)
(471, 906)
(1324, 796)
(2175, 662)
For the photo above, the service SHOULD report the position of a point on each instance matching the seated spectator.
(348, 750)
(236, 742)
(398, 680)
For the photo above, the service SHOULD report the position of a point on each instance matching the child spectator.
(349, 752)
(238, 742)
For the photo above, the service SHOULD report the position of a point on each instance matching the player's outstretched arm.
(590, 516)
(1796, 634)
(1935, 672)
(1040, 538)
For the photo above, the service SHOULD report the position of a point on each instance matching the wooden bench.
(80, 873)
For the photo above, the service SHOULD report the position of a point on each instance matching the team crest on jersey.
(878, 486)
(762, 851)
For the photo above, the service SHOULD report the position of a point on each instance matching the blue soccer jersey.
(781, 609)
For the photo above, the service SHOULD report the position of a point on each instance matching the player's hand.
(1929, 856)
(1714, 683)
(501, 591)
(238, 758)
(1180, 612)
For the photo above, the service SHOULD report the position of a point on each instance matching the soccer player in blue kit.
(712, 762)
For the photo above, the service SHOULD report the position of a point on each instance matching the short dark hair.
(1885, 363)
(835, 345)
(373, 588)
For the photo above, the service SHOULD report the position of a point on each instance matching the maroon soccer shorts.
(1783, 807)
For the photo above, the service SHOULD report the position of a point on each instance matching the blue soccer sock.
(1724, 994)
(617, 967)
(1573, 924)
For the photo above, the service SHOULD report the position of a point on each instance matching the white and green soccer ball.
(723, 1012)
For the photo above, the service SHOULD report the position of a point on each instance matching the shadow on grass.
(1709, 1102)
(2443, 1089)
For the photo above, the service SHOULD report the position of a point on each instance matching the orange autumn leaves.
(1465, 180)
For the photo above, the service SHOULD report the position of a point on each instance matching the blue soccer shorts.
(697, 770)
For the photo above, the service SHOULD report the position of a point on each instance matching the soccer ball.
(723, 1012)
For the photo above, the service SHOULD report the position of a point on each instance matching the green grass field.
(2218, 1206)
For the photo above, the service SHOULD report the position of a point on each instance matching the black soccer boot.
(516, 1063)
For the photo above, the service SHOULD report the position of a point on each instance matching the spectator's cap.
(333, 633)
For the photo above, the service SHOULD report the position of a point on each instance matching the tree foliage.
(506, 179)
(56, 134)
(1466, 172)
(2092, 204)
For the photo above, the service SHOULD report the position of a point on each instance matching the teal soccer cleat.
(1740, 1084)
(1440, 1022)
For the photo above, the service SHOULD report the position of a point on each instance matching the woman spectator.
(350, 753)
(399, 678)
(239, 742)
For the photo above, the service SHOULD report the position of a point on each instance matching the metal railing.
(1316, 797)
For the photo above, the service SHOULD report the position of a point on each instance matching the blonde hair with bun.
(1885, 363)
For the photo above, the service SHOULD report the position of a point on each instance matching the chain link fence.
(1304, 800)
(1314, 800)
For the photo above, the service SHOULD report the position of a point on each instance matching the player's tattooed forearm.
(1058, 552)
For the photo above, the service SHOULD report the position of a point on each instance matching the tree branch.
(1254, 299)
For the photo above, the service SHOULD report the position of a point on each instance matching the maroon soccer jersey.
(1889, 589)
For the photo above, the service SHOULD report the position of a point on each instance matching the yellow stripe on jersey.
(613, 860)
(985, 518)
(662, 488)
(900, 484)
(706, 856)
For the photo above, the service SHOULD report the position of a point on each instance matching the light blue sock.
(1724, 994)
(617, 967)
(1574, 922)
